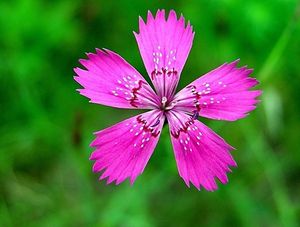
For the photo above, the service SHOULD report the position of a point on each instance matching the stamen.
(195, 115)
(171, 105)
(164, 101)
(156, 123)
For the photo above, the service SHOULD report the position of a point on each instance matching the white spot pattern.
(142, 130)
(162, 61)
(124, 86)
(189, 140)
(202, 96)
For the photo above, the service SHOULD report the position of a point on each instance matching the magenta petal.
(123, 150)
(164, 45)
(110, 80)
(201, 155)
(222, 94)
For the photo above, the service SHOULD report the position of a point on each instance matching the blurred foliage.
(46, 127)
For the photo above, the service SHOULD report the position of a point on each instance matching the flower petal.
(123, 150)
(110, 80)
(222, 94)
(164, 46)
(201, 155)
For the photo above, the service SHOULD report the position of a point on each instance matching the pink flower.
(123, 150)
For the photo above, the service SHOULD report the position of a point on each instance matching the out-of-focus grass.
(46, 127)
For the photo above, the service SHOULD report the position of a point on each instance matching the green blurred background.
(46, 126)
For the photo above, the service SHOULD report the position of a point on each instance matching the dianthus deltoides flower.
(123, 150)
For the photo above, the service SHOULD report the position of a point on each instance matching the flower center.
(166, 104)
